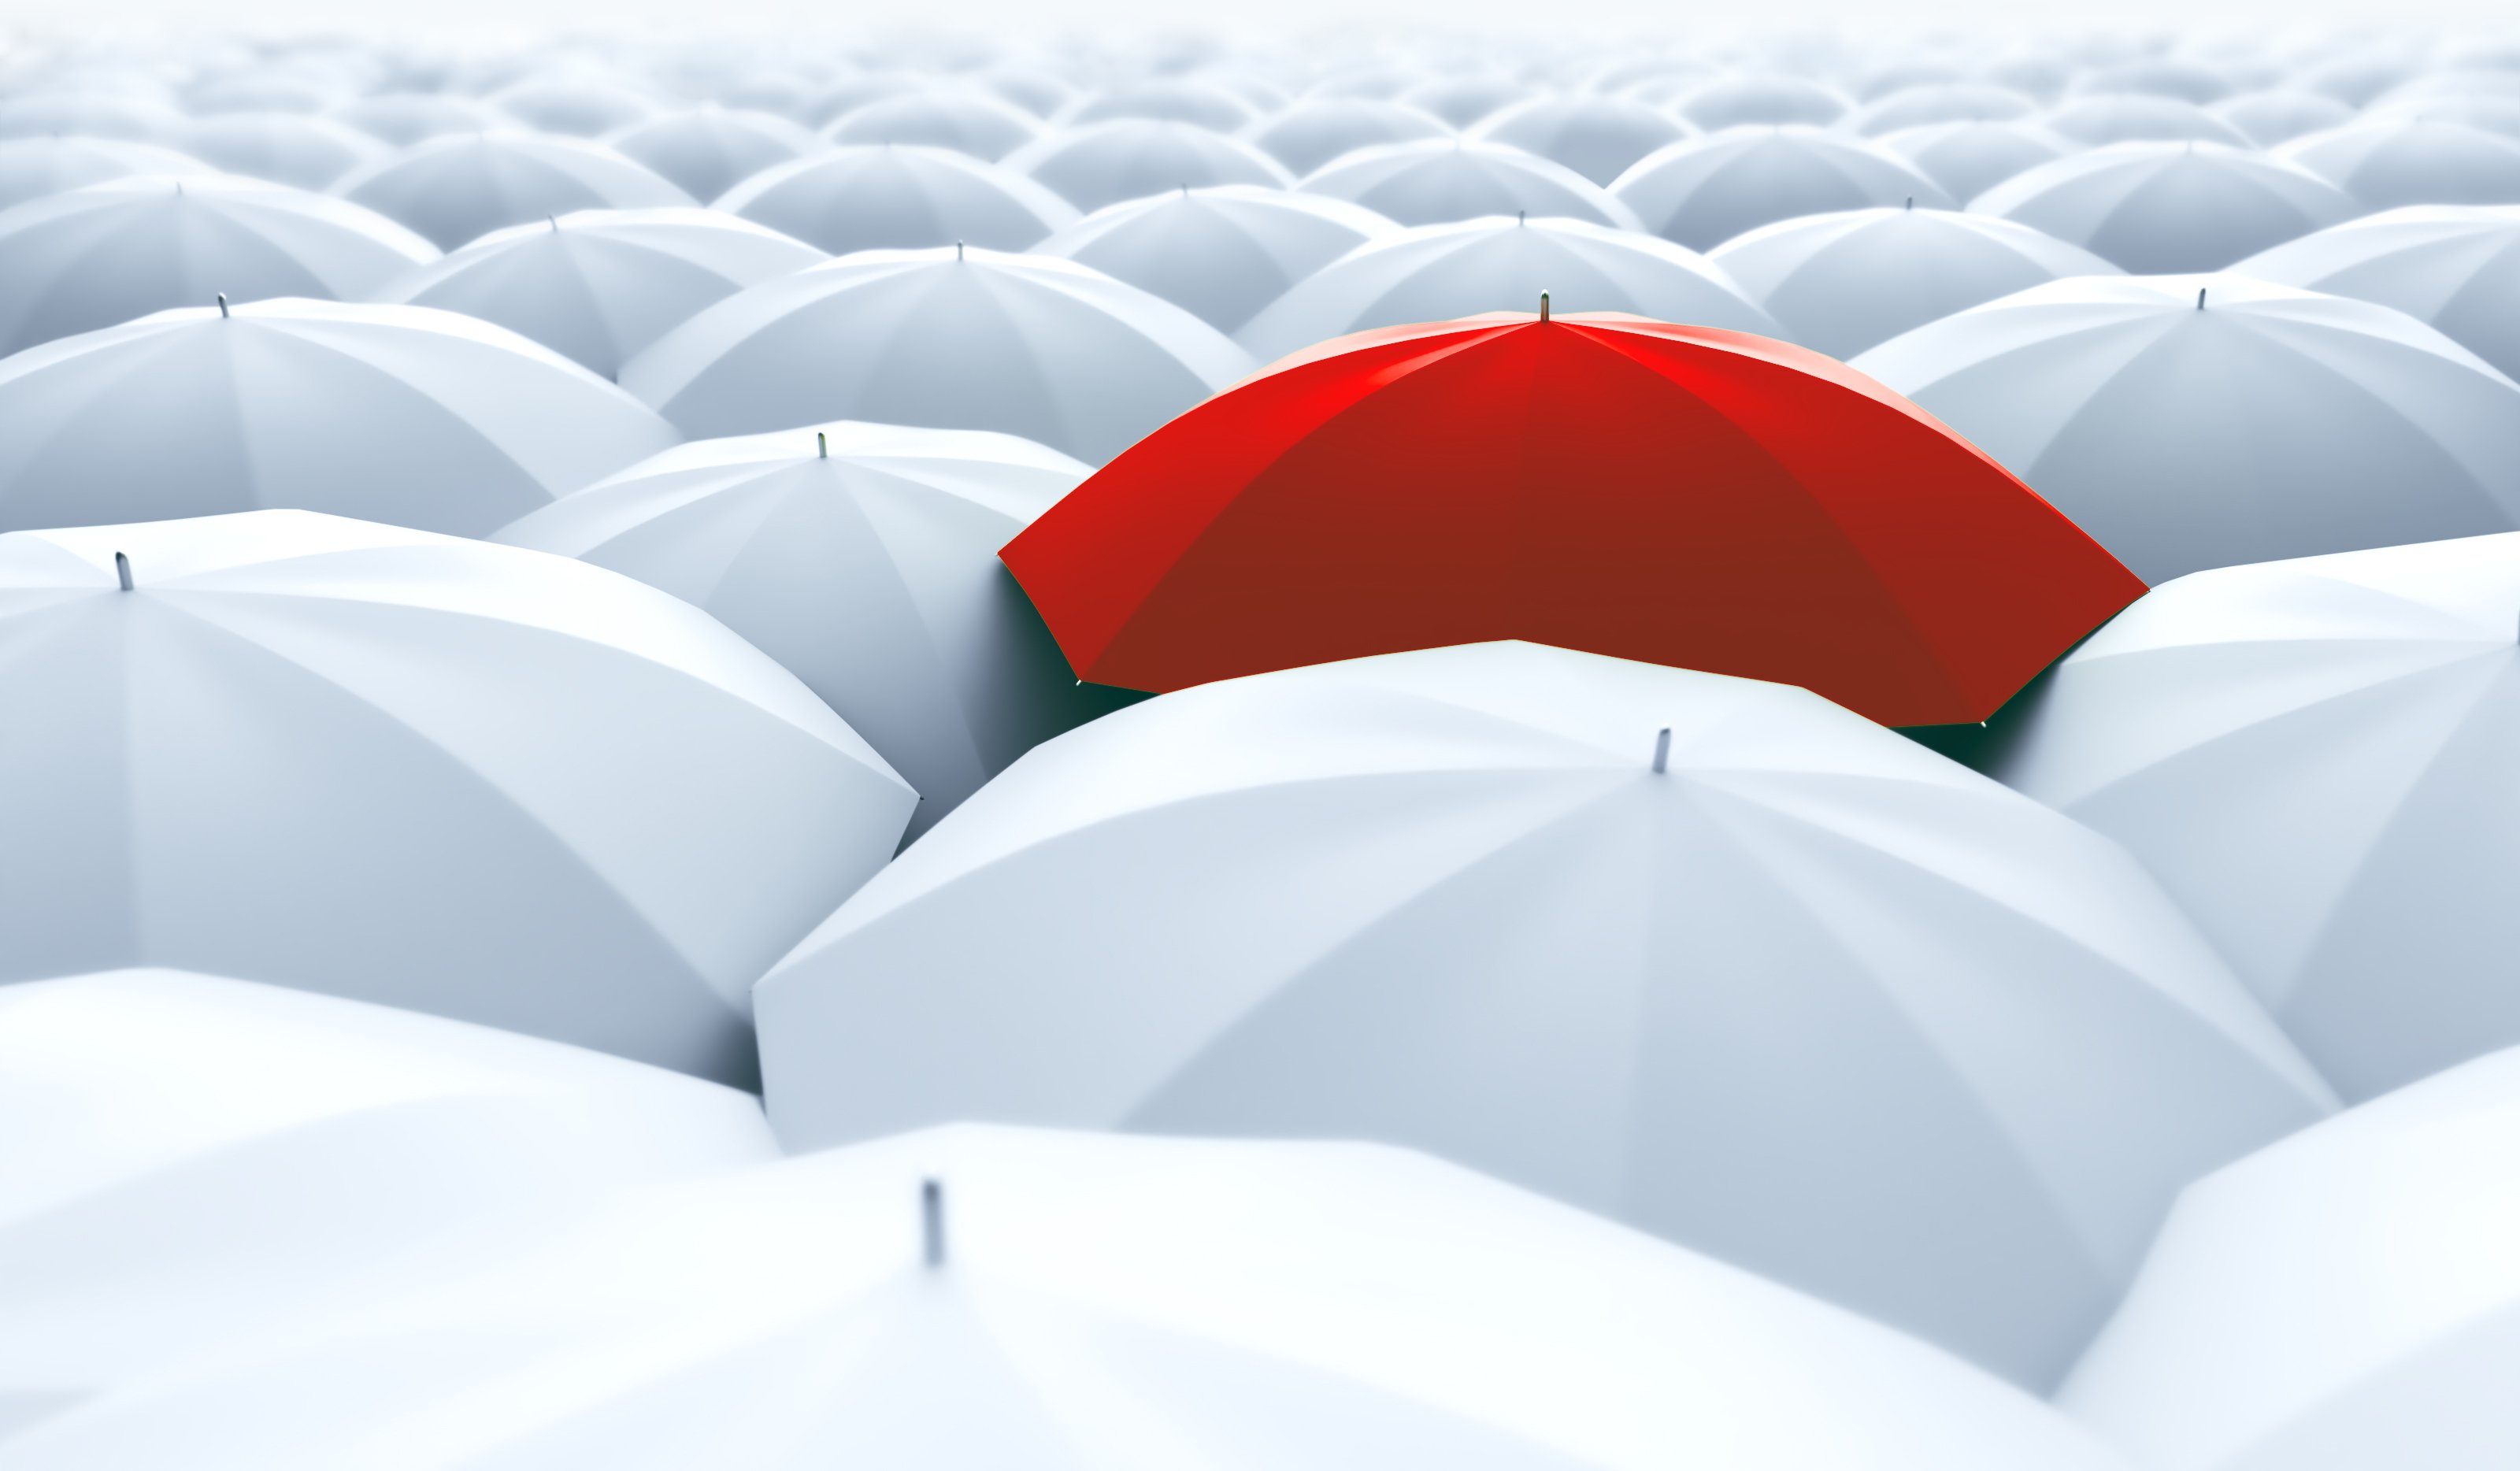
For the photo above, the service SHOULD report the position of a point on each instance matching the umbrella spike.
(1544, 307)
(822, 445)
(1662, 750)
(123, 570)
(932, 1222)
(2200, 298)
(223, 305)
(958, 249)
(1911, 203)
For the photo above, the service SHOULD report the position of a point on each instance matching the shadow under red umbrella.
(1681, 495)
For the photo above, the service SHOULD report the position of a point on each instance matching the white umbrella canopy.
(395, 414)
(850, 92)
(108, 252)
(403, 119)
(1045, 348)
(458, 189)
(577, 106)
(2157, 207)
(1843, 283)
(599, 285)
(1040, 91)
(884, 197)
(34, 167)
(708, 150)
(967, 122)
(1440, 180)
(1132, 157)
(2454, 267)
(1220, 254)
(2270, 422)
(2267, 118)
(286, 147)
(1463, 100)
(184, 1158)
(1192, 100)
(2138, 117)
(2346, 1297)
(1943, 101)
(2384, 163)
(1703, 192)
(1318, 130)
(1815, 1001)
(863, 557)
(1597, 137)
(1081, 1301)
(1967, 159)
(2367, 918)
(1740, 100)
(1436, 273)
(469, 780)
(2157, 77)
(88, 114)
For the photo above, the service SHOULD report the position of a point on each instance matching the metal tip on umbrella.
(223, 305)
(822, 445)
(2200, 298)
(1544, 307)
(554, 222)
(932, 1222)
(123, 570)
(958, 249)
(1662, 750)
(1522, 217)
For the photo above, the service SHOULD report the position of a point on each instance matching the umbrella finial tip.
(223, 303)
(1911, 201)
(2200, 298)
(1544, 307)
(932, 1222)
(958, 249)
(1662, 750)
(822, 445)
(123, 570)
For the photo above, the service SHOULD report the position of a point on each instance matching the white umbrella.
(967, 122)
(1843, 283)
(1745, 100)
(1045, 348)
(108, 252)
(864, 557)
(286, 147)
(1967, 159)
(851, 92)
(1026, 1300)
(709, 150)
(2139, 118)
(1038, 91)
(1435, 273)
(1190, 100)
(1312, 132)
(599, 285)
(880, 196)
(1439, 180)
(88, 114)
(2310, 754)
(34, 167)
(263, 89)
(185, 1158)
(2495, 114)
(2267, 118)
(1222, 253)
(390, 413)
(2264, 422)
(2414, 161)
(1704, 190)
(457, 189)
(404, 118)
(577, 106)
(2169, 207)
(2454, 267)
(469, 780)
(2157, 77)
(1939, 103)
(2347, 1298)
(1784, 987)
(1463, 100)
(1130, 158)
(1597, 137)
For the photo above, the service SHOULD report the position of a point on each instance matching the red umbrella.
(1681, 495)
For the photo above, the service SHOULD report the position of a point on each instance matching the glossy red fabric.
(1683, 495)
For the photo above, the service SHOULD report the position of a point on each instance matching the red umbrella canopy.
(1681, 495)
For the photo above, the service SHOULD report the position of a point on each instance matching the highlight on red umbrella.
(1684, 495)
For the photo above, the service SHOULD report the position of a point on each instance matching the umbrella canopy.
(864, 557)
(457, 189)
(1704, 190)
(286, 147)
(1438, 272)
(1595, 136)
(1439, 180)
(1938, 102)
(2159, 207)
(88, 114)
(2383, 682)
(1028, 1299)
(2414, 161)
(1222, 253)
(1045, 348)
(2136, 118)
(2157, 77)
(2454, 267)
(973, 123)
(599, 285)
(577, 106)
(2267, 118)
(2194, 421)
(1750, 99)
(107, 253)
(1967, 159)
(1843, 283)
(1132, 157)
(185, 1158)
(2345, 1297)
(1181, 99)
(417, 770)
(1312, 132)
(709, 150)
(394, 414)
(1609, 484)
(886, 197)
(403, 119)
(1783, 986)
(34, 167)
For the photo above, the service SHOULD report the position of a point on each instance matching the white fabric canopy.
(1703, 192)
(34, 167)
(459, 188)
(286, 147)
(1132, 157)
(1595, 136)
(1223, 253)
(1817, 1000)
(1439, 180)
(469, 780)
(2139, 117)
(2454, 267)
(706, 151)
(881, 197)
(1318, 129)
(1751, 99)
(2158, 207)
(1967, 159)
(2268, 423)
(2267, 118)
(403, 119)
(1933, 103)
(2386, 162)
(968, 122)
